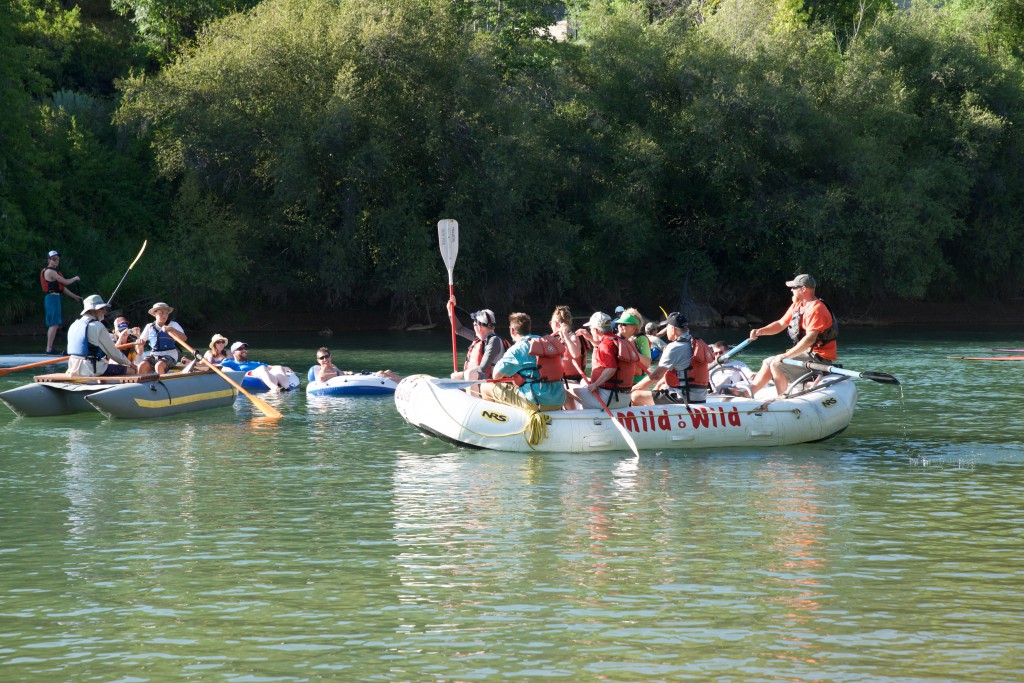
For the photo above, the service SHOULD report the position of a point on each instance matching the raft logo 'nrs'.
(493, 416)
(829, 402)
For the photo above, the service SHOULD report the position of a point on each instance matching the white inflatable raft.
(442, 409)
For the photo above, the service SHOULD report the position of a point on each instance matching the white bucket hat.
(93, 302)
(158, 305)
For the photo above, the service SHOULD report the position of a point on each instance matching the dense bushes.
(307, 149)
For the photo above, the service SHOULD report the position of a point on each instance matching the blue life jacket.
(78, 338)
(159, 340)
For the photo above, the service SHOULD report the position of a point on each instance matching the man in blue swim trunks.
(53, 284)
(274, 376)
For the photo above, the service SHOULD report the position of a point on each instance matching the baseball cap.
(675, 319)
(802, 280)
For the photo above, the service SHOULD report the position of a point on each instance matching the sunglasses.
(323, 357)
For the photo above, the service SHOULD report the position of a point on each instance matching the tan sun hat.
(160, 305)
(217, 338)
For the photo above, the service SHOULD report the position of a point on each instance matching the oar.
(460, 383)
(448, 238)
(732, 352)
(618, 425)
(37, 364)
(881, 377)
(265, 408)
(128, 271)
(49, 361)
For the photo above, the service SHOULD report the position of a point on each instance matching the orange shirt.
(814, 315)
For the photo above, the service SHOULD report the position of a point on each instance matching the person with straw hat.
(91, 348)
(162, 354)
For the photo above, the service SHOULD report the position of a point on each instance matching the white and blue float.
(253, 383)
(359, 384)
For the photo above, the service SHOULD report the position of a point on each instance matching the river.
(339, 544)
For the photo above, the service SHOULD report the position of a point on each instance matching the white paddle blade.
(448, 238)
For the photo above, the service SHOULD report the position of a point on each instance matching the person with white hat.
(92, 349)
(612, 366)
(812, 329)
(162, 354)
(53, 284)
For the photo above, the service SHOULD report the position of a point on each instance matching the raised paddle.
(127, 271)
(618, 425)
(732, 352)
(448, 238)
(49, 361)
(265, 408)
(882, 377)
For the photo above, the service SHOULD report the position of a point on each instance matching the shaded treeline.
(299, 154)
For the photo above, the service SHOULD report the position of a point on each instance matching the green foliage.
(303, 151)
(166, 25)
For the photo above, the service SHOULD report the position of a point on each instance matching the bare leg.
(51, 336)
(642, 397)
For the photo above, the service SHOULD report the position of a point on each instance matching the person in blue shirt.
(518, 363)
(274, 376)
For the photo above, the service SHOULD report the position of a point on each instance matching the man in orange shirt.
(812, 328)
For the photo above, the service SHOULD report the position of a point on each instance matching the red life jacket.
(50, 287)
(627, 358)
(475, 354)
(696, 375)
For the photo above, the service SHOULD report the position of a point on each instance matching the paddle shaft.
(595, 392)
(724, 358)
(123, 278)
(881, 377)
(448, 240)
(49, 361)
(264, 407)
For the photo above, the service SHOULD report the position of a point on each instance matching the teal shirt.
(518, 360)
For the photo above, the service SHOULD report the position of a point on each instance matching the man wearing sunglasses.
(53, 284)
(811, 327)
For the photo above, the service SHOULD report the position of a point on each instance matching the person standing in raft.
(92, 349)
(612, 365)
(683, 365)
(162, 354)
(811, 327)
(326, 369)
(534, 363)
(53, 283)
(486, 347)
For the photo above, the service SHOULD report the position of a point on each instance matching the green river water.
(339, 544)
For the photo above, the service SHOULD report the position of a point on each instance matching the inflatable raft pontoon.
(360, 384)
(132, 396)
(440, 408)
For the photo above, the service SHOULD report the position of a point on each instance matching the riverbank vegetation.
(298, 153)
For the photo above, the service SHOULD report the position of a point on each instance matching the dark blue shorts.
(54, 315)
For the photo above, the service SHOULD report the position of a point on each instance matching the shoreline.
(992, 314)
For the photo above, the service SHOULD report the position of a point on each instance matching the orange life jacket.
(697, 374)
(475, 354)
(627, 358)
(50, 287)
(572, 366)
(548, 352)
